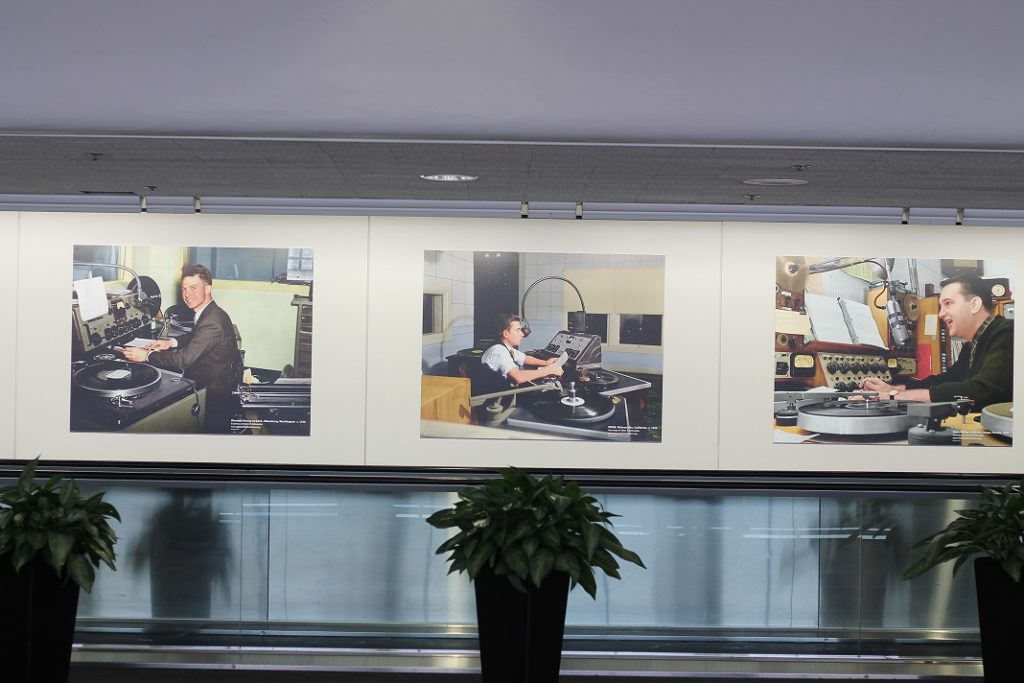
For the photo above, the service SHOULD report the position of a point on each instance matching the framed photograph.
(191, 340)
(893, 350)
(528, 345)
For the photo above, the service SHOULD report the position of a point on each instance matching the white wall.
(367, 350)
(44, 345)
(8, 339)
(691, 388)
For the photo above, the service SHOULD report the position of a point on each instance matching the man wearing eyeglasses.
(507, 360)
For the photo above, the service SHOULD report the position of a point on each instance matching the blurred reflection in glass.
(188, 555)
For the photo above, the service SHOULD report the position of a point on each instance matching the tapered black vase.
(37, 623)
(520, 633)
(1001, 619)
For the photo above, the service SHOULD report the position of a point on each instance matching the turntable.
(111, 394)
(856, 418)
(575, 411)
(572, 408)
(115, 395)
(178, 321)
(590, 401)
(115, 379)
(863, 416)
(998, 420)
(599, 378)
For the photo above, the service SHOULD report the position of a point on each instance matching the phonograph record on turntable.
(109, 393)
(588, 401)
(866, 417)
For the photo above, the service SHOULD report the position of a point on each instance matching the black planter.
(1000, 610)
(37, 627)
(520, 633)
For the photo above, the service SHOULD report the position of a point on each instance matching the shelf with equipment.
(303, 336)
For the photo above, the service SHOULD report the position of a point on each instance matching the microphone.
(897, 323)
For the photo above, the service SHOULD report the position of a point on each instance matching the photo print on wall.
(189, 340)
(893, 350)
(528, 345)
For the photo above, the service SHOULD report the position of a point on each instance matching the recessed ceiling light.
(449, 177)
(774, 182)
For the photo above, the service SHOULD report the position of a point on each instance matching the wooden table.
(445, 399)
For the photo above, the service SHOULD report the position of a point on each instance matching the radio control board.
(585, 349)
(124, 317)
(846, 371)
(794, 365)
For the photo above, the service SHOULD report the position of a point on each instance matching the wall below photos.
(369, 352)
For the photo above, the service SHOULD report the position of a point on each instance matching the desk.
(445, 399)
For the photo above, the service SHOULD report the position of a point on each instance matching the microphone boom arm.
(522, 304)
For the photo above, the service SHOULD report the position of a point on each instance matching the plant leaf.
(81, 571)
(591, 536)
(541, 566)
(60, 545)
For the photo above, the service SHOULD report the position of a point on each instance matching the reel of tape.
(791, 272)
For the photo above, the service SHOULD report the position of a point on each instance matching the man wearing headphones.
(507, 360)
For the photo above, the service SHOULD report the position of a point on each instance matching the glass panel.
(245, 263)
(179, 557)
(350, 560)
(640, 329)
(90, 253)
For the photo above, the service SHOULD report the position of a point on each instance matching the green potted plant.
(995, 531)
(524, 542)
(51, 541)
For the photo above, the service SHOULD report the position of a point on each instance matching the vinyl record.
(592, 409)
(152, 291)
(115, 378)
(601, 378)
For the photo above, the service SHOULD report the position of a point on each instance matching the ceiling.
(657, 102)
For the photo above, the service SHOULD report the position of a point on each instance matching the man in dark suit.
(209, 354)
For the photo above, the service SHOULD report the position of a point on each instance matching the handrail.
(440, 478)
